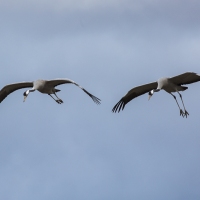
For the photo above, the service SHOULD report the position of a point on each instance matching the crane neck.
(28, 91)
(32, 90)
(157, 90)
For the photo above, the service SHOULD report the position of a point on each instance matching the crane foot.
(186, 113)
(182, 113)
(59, 101)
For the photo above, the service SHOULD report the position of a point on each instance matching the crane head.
(25, 95)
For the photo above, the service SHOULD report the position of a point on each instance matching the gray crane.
(43, 86)
(170, 85)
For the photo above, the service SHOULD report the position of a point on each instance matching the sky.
(80, 150)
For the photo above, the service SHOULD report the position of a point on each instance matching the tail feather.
(184, 88)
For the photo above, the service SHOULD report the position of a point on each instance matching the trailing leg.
(181, 111)
(57, 100)
(60, 100)
(186, 113)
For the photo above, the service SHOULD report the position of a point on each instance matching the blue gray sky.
(79, 150)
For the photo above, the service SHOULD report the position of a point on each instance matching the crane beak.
(149, 97)
(24, 98)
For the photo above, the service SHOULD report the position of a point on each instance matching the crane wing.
(133, 93)
(6, 90)
(186, 78)
(57, 82)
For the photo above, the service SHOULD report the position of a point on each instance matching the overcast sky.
(79, 150)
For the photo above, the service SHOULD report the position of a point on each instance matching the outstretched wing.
(57, 82)
(6, 90)
(186, 78)
(133, 93)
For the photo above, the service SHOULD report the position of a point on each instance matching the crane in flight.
(174, 84)
(43, 86)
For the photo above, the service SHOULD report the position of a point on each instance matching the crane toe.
(59, 101)
(186, 113)
(182, 113)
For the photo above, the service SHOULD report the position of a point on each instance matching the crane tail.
(184, 88)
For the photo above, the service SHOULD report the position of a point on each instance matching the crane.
(173, 84)
(43, 86)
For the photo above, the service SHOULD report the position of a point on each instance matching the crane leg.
(181, 111)
(60, 100)
(57, 100)
(186, 113)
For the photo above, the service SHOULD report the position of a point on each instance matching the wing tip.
(96, 100)
(119, 106)
(3, 96)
